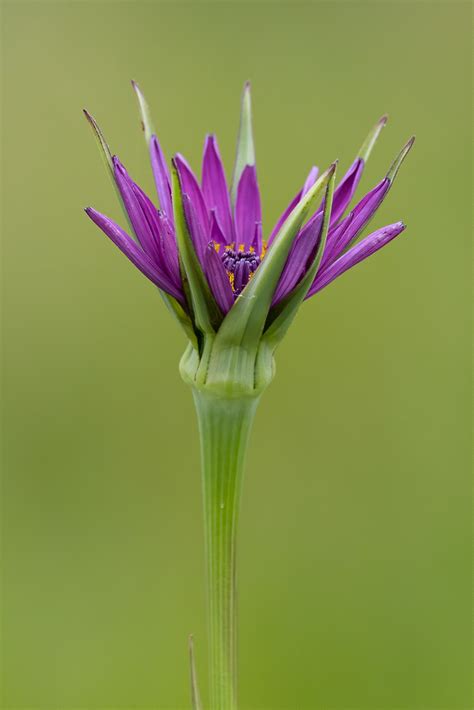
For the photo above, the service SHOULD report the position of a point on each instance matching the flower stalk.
(224, 429)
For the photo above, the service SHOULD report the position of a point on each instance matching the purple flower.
(224, 223)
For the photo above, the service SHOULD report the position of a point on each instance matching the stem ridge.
(224, 428)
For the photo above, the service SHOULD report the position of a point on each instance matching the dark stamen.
(241, 264)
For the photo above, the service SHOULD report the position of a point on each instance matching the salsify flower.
(225, 225)
(235, 287)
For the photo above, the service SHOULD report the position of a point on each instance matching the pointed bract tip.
(367, 146)
(173, 161)
(247, 85)
(89, 116)
(331, 169)
(408, 145)
(145, 115)
(399, 159)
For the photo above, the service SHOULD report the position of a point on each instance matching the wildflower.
(225, 224)
(235, 292)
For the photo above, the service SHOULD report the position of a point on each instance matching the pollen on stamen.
(240, 266)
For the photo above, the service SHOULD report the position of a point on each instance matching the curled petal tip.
(396, 226)
(393, 229)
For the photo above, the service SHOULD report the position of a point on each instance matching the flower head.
(224, 275)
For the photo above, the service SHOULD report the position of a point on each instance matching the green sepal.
(367, 146)
(237, 341)
(106, 155)
(245, 146)
(103, 145)
(207, 315)
(147, 123)
(173, 305)
(282, 315)
(177, 310)
(195, 696)
(394, 168)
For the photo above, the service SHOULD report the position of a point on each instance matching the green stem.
(224, 427)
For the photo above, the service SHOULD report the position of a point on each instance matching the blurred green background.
(355, 531)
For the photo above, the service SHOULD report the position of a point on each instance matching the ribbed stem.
(224, 427)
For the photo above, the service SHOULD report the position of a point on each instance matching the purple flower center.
(240, 265)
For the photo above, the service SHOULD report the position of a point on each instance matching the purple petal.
(310, 180)
(345, 190)
(247, 207)
(169, 249)
(359, 252)
(214, 187)
(153, 229)
(133, 252)
(217, 236)
(218, 279)
(297, 262)
(349, 229)
(198, 236)
(161, 174)
(257, 241)
(140, 210)
(195, 207)
(283, 217)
